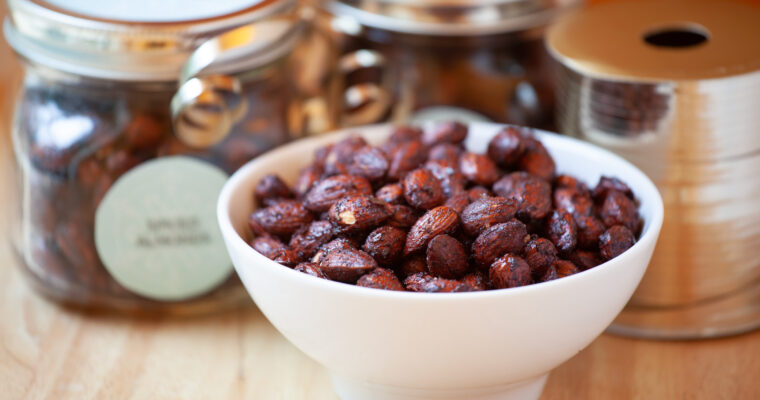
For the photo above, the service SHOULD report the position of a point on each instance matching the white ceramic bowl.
(498, 344)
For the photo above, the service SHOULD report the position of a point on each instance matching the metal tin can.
(674, 87)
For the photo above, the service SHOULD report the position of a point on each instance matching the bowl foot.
(352, 389)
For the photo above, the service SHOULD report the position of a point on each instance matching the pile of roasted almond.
(421, 213)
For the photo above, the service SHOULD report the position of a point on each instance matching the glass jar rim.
(140, 51)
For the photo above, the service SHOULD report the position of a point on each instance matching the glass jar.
(439, 59)
(119, 169)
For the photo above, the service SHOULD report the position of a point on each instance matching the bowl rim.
(650, 231)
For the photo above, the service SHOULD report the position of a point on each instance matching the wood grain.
(47, 352)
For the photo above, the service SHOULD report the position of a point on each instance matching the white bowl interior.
(442, 341)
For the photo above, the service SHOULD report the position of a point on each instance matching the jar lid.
(144, 40)
(451, 17)
(655, 41)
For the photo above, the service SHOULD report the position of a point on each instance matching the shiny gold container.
(674, 87)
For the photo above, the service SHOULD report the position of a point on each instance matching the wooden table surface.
(47, 352)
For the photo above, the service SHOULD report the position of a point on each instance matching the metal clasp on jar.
(206, 106)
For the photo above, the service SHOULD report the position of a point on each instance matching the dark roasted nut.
(478, 168)
(392, 193)
(476, 280)
(271, 187)
(320, 155)
(256, 228)
(422, 189)
(328, 191)
(509, 271)
(447, 172)
(426, 283)
(283, 218)
(88, 172)
(619, 209)
(341, 243)
(497, 240)
(562, 231)
(121, 161)
(402, 216)
(533, 194)
(435, 222)
(589, 230)
(550, 275)
(272, 201)
(564, 268)
(50, 159)
(101, 188)
(405, 133)
(385, 244)
(44, 201)
(307, 178)
(413, 265)
(585, 259)
(607, 184)
(306, 241)
(458, 202)
(76, 244)
(346, 264)
(341, 155)
(405, 158)
(486, 212)
(570, 182)
(144, 132)
(310, 268)
(507, 147)
(381, 278)
(537, 160)
(540, 253)
(615, 241)
(358, 213)
(267, 245)
(287, 258)
(235, 151)
(463, 238)
(445, 152)
(478, 192)
(514, 227)
(369, 163)
(572, 200)
(172, 146)
(445, 132)
(446, 257)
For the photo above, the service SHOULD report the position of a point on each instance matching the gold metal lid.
(451, 17)
(659, 40)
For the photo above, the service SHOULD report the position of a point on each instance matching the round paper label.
(156, 229)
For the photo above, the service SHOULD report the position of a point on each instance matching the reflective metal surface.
(689, 118)
(205, 107)
(452, 17)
